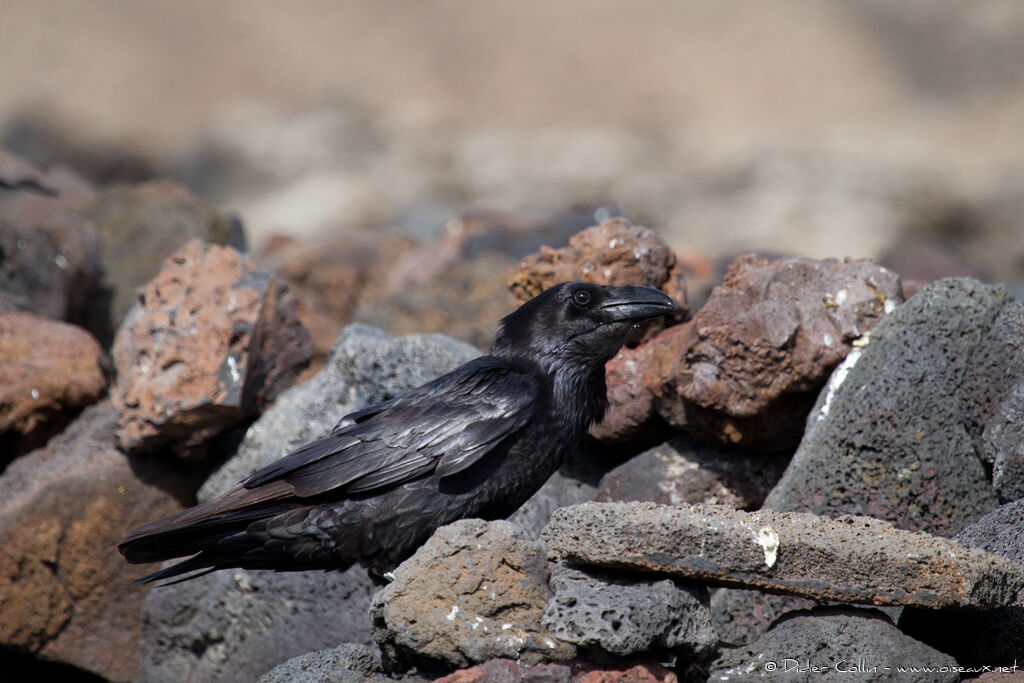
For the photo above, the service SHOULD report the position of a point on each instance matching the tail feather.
(198, 563)
(200, 528)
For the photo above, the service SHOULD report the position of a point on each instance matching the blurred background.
(825, 128)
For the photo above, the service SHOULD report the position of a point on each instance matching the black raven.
(476, 442)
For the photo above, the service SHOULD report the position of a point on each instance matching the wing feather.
(443, 426)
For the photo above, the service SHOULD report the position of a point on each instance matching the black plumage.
(476, 442)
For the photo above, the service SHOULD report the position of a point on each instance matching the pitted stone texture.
(624, 615)
(740, 616)
(236, 625)
(850, 559)
(210, 342)
(475, 591)
(347, 663)
(65, 593)
(762, 346)
(992, 637)
(834, 644)
(889, 436)
(616, 252)
(508, 671)
(49, 371)
(684, 470)
(994, 400)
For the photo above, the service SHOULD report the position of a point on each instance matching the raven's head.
(579, 322)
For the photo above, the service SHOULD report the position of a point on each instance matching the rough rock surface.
(508, 671)
(852, 559)
(631, 423)
(992, 637)
(141, 225)
(625, 615)
(740, 616)
(684, 470)
(836, 644)
(347, 663)
(889, 438)
(994, 400)
(206, 628)
(210, 342)
(49, 371)
(475, 591)
(758, 351)
(64, 591)
(615, 252)
(237, 625)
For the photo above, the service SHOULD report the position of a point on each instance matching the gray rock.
(850, 559)
(992, 637)
(474, 592)
(238, 624)
(1000, 531)
(740, 616)
(684, 470)
(830, 643)
(888, 436)
(625, 614)
(994, 401)
(347, 663)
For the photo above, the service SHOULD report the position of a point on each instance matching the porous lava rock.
(210, 342)
(49, 371)
(65, 593)
(475, 591)
(890, 436)
(747, 369)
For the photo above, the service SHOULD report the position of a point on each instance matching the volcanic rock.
(475, 591)
(209, 343)
(49, 371)
(850, 559)
(890, 436)
(64, 591)
(750, 365)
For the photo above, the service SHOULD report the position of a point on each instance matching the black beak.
(634, 303)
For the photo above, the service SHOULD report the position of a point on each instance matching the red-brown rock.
(615, 252)
(64, 590)
(49, 371)
(634, 378)
(626, 673)
(210, 342)
(748, 368)
(509, 671)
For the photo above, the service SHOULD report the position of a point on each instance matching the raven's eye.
(581, 297)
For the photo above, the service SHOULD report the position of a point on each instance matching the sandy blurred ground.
(825, 128)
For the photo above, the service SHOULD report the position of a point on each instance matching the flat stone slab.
(850, 559)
